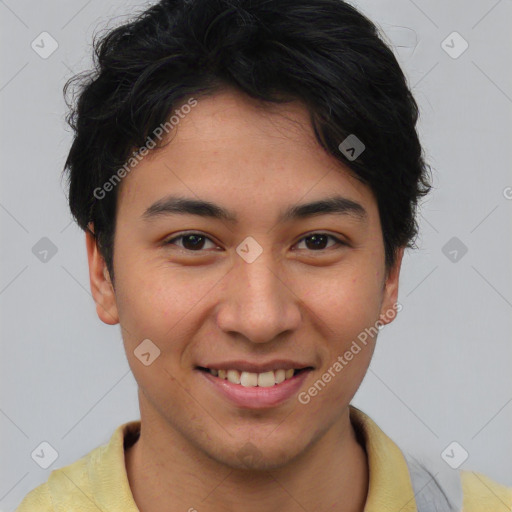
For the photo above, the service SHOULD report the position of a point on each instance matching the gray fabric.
(437, 487)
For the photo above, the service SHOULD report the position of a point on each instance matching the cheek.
(345, 312)
(344, 303)
(345, 309)
(161, 303)
(158, 306)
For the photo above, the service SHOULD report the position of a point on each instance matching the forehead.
(231, 145)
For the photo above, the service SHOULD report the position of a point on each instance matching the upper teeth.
(249, 379)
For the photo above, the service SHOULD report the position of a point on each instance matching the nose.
(257, 304)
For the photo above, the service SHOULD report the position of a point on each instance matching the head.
(237, 112)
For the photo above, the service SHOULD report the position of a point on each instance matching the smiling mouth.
(249, 379)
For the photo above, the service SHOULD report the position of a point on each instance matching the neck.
(165, 473)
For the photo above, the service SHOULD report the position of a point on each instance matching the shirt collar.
(389, 489)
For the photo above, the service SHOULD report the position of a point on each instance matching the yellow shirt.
(98, 481)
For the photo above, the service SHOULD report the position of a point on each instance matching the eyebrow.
(175, 205)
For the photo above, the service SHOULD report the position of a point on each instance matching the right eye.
(191, 241)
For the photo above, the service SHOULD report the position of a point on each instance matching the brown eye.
(190, 241)
(195, 242)
(318, 241)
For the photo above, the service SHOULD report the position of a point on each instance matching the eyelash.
(183, 235)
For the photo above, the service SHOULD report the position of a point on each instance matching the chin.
(256, 455)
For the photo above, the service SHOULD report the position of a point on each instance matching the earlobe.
(390, 306)
(101, 286)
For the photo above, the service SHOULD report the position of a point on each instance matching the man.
(247, 174)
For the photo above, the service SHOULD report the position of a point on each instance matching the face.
(262, 291)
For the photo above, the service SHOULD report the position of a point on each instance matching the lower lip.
(257, 397)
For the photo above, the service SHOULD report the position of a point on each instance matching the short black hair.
(324, 53)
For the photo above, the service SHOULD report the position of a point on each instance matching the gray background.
(441, 371)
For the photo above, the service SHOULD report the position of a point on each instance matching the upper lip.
(247, 366)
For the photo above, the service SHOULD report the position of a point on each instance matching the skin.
(293, 302)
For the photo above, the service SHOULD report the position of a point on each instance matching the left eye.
(196, 241)
(318, 241)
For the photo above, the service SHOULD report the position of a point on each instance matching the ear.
(390, 306)
(101, 286)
